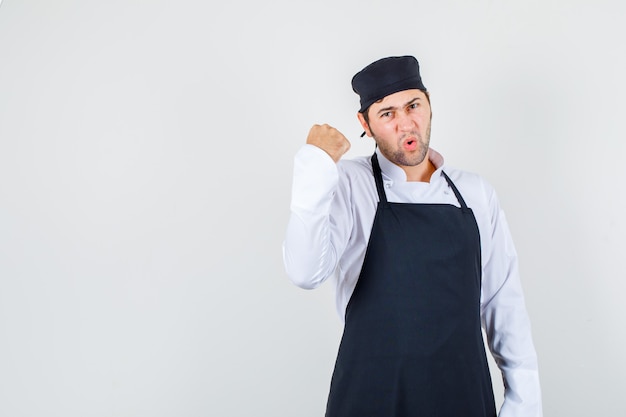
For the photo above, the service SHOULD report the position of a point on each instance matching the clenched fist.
(329, 139)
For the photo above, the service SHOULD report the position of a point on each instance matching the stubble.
(400, 157)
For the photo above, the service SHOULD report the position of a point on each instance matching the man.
(420, 255)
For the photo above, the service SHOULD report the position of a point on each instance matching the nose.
(405, 122)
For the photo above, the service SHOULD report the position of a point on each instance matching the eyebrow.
(408, 103)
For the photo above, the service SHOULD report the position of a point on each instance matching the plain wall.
(146, 152)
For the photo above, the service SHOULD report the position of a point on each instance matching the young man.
(421, 257)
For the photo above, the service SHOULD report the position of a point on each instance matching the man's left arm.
(506, 321)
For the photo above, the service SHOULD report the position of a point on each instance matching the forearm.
(308, 251)
(507, 324)
(510, 341)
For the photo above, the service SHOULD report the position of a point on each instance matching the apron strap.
(456, 191)
(378, 177)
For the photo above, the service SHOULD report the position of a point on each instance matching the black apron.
(412, 344)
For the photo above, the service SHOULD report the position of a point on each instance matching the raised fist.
(329, 139)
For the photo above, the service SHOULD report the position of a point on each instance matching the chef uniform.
(412, 343)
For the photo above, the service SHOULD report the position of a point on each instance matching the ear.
(364, 125)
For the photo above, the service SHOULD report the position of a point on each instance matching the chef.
(420, 257)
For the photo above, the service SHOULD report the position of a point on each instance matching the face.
(400, 125)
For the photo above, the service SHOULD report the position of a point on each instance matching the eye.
(413, 106)
(385, 114)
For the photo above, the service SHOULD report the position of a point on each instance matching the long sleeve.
(506, 321)
(310, 245)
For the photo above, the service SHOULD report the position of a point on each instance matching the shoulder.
(356, 181)
(467, 179)
(356, 167)
(475, 189)
(356, 163)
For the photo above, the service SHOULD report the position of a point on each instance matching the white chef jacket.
(332, 213)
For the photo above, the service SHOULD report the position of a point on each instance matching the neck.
(421, 172)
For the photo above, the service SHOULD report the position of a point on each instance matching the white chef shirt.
(332, 213)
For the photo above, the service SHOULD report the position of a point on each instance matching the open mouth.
(410, 144)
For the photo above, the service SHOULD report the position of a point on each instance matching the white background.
(146, 151)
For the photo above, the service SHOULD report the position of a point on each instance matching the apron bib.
(412, 344)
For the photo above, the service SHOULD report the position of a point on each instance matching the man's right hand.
(329, 139)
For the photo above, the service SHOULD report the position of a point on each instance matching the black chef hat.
(386, 76)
